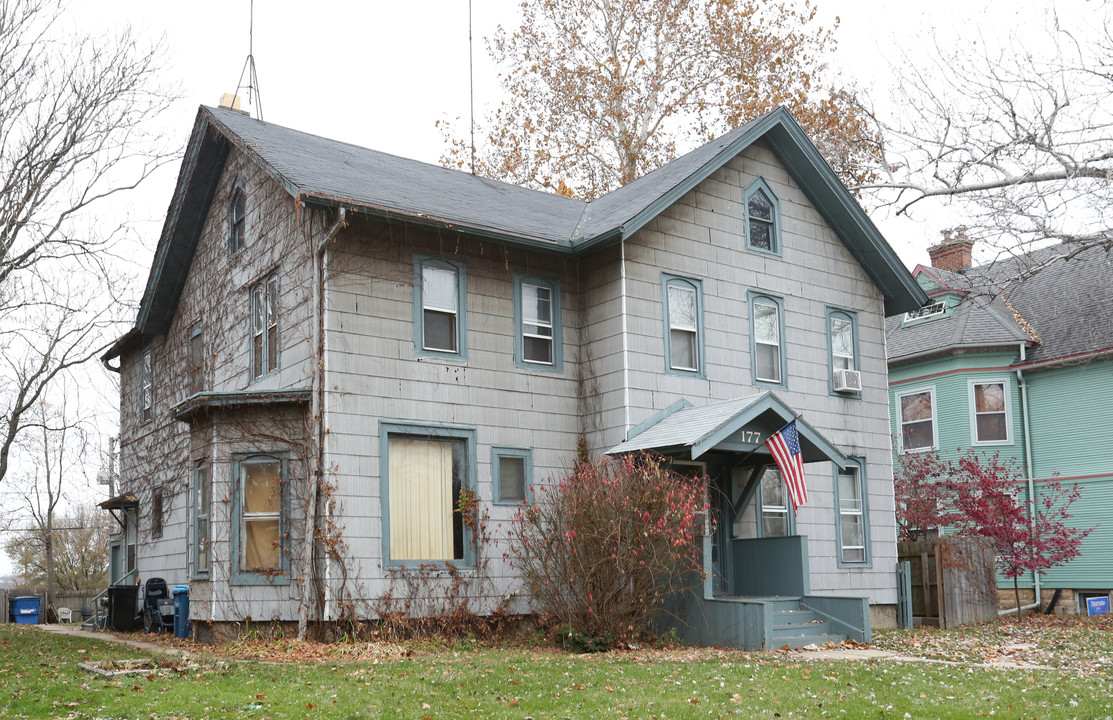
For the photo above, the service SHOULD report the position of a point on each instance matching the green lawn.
(39, 678)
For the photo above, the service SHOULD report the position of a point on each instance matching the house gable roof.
(325, 172)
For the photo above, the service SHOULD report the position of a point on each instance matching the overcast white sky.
(381, 73)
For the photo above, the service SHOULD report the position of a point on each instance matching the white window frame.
(930, 390)
(1005, 389)
(857, 471)
(264, 325)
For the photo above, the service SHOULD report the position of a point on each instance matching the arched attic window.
(237, 220)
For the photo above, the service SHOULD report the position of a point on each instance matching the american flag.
(785, 448)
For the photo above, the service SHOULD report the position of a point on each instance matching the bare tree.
(600, 92)
(74, 109)
(80, 542)
(1019, 136)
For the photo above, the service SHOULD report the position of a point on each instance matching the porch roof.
(120, 502)
(719, 426)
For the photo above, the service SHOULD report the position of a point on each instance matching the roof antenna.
(254, 97)
(471, 90)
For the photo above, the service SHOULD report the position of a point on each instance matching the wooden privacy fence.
(953, 580)
(75, 600)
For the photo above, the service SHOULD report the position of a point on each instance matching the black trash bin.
(122, 603)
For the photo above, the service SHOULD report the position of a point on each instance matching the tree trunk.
(1016, 593)
(49, 560)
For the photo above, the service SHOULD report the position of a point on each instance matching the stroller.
(158, 607)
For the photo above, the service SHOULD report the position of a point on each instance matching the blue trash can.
(182, 627)
(25, 610)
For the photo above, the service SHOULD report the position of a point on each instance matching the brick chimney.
(955, 253)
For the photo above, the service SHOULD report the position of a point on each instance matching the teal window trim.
(557, 336)
(834, 314)
(263, 327)
(857, 468)
(1006, 390)
(237, 218)
(497, 453)
(683, 284)
(755, 298)
(240, 575)
(146, 386)
(760, 186)
(461, 326)
(448, 431)
(759, 505)
(930, 389)
(202, 512)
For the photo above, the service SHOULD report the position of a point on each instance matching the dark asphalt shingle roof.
(1062, 295)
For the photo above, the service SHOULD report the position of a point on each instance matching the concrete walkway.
(134, 640)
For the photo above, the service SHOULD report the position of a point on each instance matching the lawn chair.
(65, 615)
(158, 606)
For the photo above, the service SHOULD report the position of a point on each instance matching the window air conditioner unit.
(848, 381)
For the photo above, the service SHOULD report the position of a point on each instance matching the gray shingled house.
(334, 343)
(1015, 358)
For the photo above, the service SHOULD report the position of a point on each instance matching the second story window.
(146, 387)
(195, 362)
(767, 332)
(237, 221)
(264, 327)
(683, 299)
(991, 416)
(537, 345)
(440, 314)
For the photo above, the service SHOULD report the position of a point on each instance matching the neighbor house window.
(201, 496)
(767, 335)
(917, 419)
(195, 362)
(762, 221)
(439, 308)
(146, 386)
(156, 513)
(537, 317)
(776, 520)
(264, 327)
(237, 219)
(259, 518)
(683, 324)
(427, 475)
(991, 412)
(850, 499)
(511, 470)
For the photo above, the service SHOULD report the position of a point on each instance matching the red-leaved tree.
(979, 495)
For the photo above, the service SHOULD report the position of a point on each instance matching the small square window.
(511, 474)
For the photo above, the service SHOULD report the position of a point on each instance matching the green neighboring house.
(1016, 357)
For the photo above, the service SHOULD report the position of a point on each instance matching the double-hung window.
(683, 300)
(427, 473)
(260, 503)
(264, 327)
(853, 531)
(440, 314)
(991, 412)
(146, 386)
(537, 317)
(762, 218)
(511, 471)
(202, 483)
(776, 516)
(237, 221)
(917, 419)
(767, 339)
(842, 343)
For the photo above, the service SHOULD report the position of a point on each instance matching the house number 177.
(751, 436)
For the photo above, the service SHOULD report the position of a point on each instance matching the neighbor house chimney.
(955, 253)
(229, 101)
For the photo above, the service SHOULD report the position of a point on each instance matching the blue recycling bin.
(182, 627)
(25, 610)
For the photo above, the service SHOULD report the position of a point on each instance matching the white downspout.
(1031, 481)
(625, 345)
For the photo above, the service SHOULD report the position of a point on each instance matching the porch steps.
(796, 626)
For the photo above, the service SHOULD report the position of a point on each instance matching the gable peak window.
(237, 220)
(264, 326)
(762, 218)
(146, 386)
